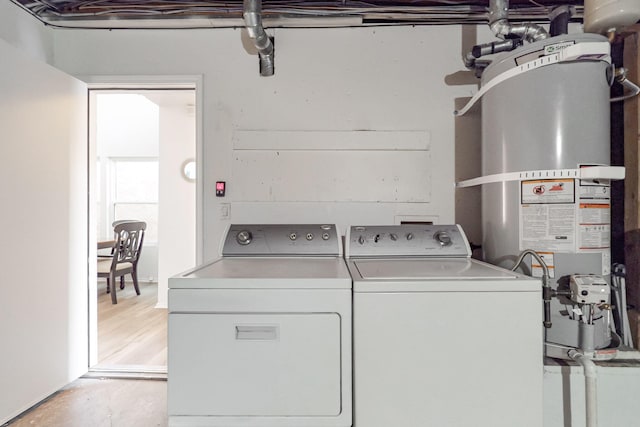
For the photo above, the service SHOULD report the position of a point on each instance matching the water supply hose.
(547, 292)
(621, 77)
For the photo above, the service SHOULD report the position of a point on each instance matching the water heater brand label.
(557, 47)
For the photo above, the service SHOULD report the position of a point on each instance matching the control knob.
(244, 237)
(443, 238)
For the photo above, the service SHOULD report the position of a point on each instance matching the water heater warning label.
(549, 227)
(548, 215)
(548, 191)
(595, 226)
(555, 216)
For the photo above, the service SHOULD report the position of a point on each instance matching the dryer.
(441, 339)
(262, 336)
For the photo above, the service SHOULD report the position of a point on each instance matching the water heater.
(545, 122)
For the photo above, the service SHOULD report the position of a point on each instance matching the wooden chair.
(126, 250)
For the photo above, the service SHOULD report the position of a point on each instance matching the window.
(135, 193)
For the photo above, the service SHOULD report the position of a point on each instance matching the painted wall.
(43, 185)
(127, 125)
(177, 198)
(24, 32)
(341, 104)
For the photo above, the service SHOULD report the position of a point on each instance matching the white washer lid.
(436, 275)
(429, 269)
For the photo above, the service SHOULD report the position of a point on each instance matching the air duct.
(499, 24)
(253, 21)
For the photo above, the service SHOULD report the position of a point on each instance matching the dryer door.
(249, 364)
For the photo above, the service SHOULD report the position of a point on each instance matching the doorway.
(141, 166)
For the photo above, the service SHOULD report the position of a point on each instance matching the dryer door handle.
(257, 332)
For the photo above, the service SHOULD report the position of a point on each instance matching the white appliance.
(262, 336)
(441, 339)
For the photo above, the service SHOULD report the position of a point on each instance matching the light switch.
(225, 210)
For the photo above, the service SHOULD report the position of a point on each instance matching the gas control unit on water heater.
(589, 289)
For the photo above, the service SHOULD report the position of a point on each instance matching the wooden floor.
(89, 402)
(133, 332)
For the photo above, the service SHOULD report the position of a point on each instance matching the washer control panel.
(282, 240)
(409, 240)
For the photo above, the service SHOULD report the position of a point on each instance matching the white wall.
(43, 185)
(127, 125)
(177, 198)
(20, 29)
(372, 79)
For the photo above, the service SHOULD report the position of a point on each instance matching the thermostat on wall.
(220, 188)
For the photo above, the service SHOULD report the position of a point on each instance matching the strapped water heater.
(546, 179)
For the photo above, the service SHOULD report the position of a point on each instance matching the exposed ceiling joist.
(278, 13)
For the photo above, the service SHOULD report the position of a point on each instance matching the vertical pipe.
(590, 387)
(560, 17)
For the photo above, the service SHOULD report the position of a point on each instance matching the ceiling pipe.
(499, 24)
(253, 20)
(560, 17)
(512, 36)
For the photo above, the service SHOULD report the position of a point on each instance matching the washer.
(262, 336)
(441, 339)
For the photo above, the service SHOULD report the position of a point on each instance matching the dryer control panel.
(282, 240)
(410, 240)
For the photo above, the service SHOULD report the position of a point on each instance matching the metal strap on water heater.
(592, 51)
(591, 172)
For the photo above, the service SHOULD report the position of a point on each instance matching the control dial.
(443, 238)
(244, 237)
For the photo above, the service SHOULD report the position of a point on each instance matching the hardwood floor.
(91, 402)
(132, 332)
